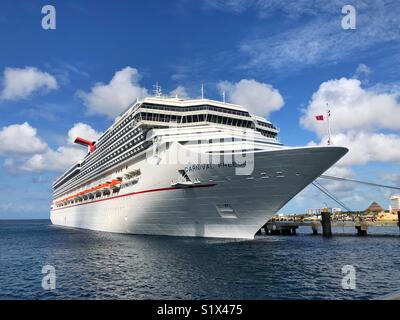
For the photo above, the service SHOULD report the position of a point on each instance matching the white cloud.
(112, 98)
(352, 108)
(20, 139)
(180, 91)
(362, 71)
(53, 160)
(22, 83)
(29, 154)
(317, 38)
(360, 119)
(84, 131)
(258, 98)
(365, 147)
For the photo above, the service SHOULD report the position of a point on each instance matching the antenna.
(202, 91)
(328, 115)
(157, 90)
(223, 96)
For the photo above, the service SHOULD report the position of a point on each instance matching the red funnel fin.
(91, 145)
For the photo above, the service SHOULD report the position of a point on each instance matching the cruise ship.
(185, 167)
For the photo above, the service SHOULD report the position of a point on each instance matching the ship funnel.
(91, 145)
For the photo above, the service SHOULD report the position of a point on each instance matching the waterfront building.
(318, 211)
(395, 204)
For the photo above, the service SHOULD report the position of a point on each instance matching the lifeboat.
(182, 184)
(115, 185)
(132, 174)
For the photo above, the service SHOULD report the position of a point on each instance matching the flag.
(320, 117)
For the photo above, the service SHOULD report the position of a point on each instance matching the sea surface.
(96, 265)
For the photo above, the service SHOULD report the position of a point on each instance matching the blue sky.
(57, 83)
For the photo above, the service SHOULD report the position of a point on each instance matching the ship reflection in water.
(98, 265)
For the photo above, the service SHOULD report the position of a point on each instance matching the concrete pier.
(281, 228)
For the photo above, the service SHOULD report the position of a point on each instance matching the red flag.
(320, 117)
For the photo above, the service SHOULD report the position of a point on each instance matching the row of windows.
(267, 134)
(117, 128)
(114, 134)
(196, 108)
(67, 177)
(231, 121)
(147, 116)
(194, 118)
(116, 161)
(101, 152)
(265, 124)
(121, 129)
(109, 157)
(114, 154)
(110, 150)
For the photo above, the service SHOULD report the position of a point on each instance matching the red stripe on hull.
(138, 192)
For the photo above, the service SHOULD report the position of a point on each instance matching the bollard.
(326, 224)
(314, 227)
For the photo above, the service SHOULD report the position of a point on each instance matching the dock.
(280, 228)
(290, 227)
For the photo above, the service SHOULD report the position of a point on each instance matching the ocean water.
(96, 265)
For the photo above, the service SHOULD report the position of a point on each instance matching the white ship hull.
(222, 205)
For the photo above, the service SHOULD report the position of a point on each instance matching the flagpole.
(328, 114)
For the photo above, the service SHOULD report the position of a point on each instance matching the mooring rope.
(330, 195)
(323, 176)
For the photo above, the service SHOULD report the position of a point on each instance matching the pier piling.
(326, 224)
(280, 228)
(362, 228)
(398, 218)
(314, 227)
